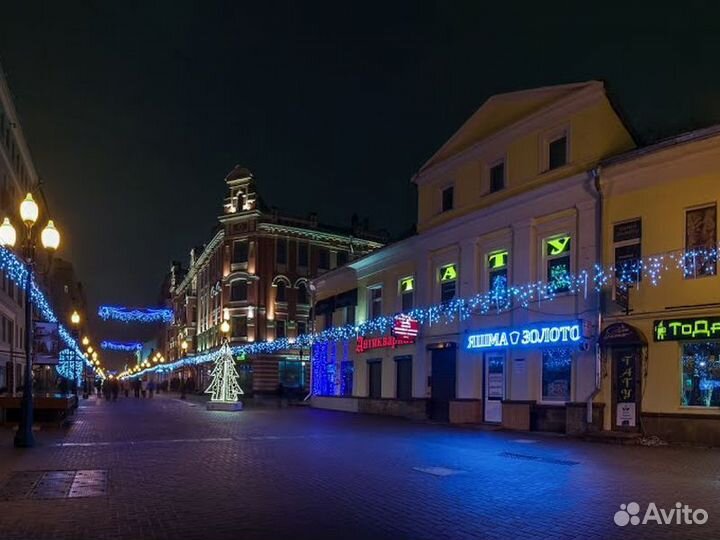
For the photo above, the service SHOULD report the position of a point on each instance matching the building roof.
(238, 173)
(502, 110)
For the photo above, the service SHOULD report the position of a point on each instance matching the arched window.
(302, 293)
(280, 292)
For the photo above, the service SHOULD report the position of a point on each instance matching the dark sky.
(135, 111)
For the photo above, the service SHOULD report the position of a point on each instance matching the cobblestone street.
(175, 470)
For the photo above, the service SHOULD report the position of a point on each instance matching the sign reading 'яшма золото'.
(697, 328)
(542, 334)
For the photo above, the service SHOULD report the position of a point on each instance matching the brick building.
(254, 272)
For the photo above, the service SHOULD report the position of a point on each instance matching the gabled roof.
(501, 111)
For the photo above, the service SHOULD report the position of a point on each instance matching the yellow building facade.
(660, 203)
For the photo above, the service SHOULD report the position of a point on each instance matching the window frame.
(497, 163)
(373, 301)
(695, 274)
(232, 289)
(443, 190)
(546, 258)
(570, 380)
(404, 294)
(442, 282)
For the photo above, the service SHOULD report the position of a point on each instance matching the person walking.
(115, 388)
(98, 386)
(126, 388)
(136, 387)
(143, 387)
(151, 388)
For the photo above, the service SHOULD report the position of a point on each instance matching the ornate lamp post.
(75, 321)
(184, 347)
(50, 238)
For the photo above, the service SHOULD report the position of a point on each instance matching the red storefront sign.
(364, 344)
(405, 326)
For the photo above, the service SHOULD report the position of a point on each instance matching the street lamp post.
(50, 238)
(184, 347)
(75, 321)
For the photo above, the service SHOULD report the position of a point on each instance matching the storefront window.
(291, 373)
(701, 374)
(556, 374)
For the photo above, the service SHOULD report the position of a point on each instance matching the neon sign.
(382, 342)
(541, 334)
(690, 329)
(448, 273)
(497, 259)
(407, 285)
(558, 246)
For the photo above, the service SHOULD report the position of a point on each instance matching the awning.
(622, 335)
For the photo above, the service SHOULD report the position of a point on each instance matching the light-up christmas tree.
(224, 388)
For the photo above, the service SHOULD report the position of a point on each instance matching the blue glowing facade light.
(119, 346)
(136, 315)
(532, 335)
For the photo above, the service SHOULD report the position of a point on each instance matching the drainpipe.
(596, 190)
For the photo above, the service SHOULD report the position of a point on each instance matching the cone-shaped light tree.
(224, 386)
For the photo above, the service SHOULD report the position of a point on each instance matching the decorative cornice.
(193, 270)
(315, 234)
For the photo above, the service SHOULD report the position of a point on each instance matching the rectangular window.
(281, 251)
(448, 195)
(701, 242)
(291, 374)
(497, 177)
(447, 275)
(302, 254)
(556, 374)
(301, 328)
(557, 257)
(375, 378)
(238, 291)
(280, 292)
(239, 326)
(350, 314)
(240, 252)
(628, 252)
(302, 295)
(403, 365)
(557, 152)
(407, 292)
(700, 364)
(328, 322)
(375, 302)
(280, 329)
(323, 259)
(497, 270)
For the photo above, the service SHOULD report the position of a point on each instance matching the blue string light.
(16, 271)
(138, 315)
(501, 298)
(118, 346)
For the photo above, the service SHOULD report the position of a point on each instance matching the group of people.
(110, 389)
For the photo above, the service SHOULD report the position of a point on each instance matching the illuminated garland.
(501, 298)
(70, 366)
(16, 271)
(118, 346)
(138, 315)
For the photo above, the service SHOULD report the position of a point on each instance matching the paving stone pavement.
(177, 471)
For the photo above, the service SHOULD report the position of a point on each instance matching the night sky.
(135, 112)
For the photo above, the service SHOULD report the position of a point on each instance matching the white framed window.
(557, 251)
(555, 149)
(406, 290)
(447, 277)
(374, 301)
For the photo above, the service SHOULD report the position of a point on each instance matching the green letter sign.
(686, 329)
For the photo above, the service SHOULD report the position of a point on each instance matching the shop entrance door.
(494, 387)
(626, 377)
(442, 383)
